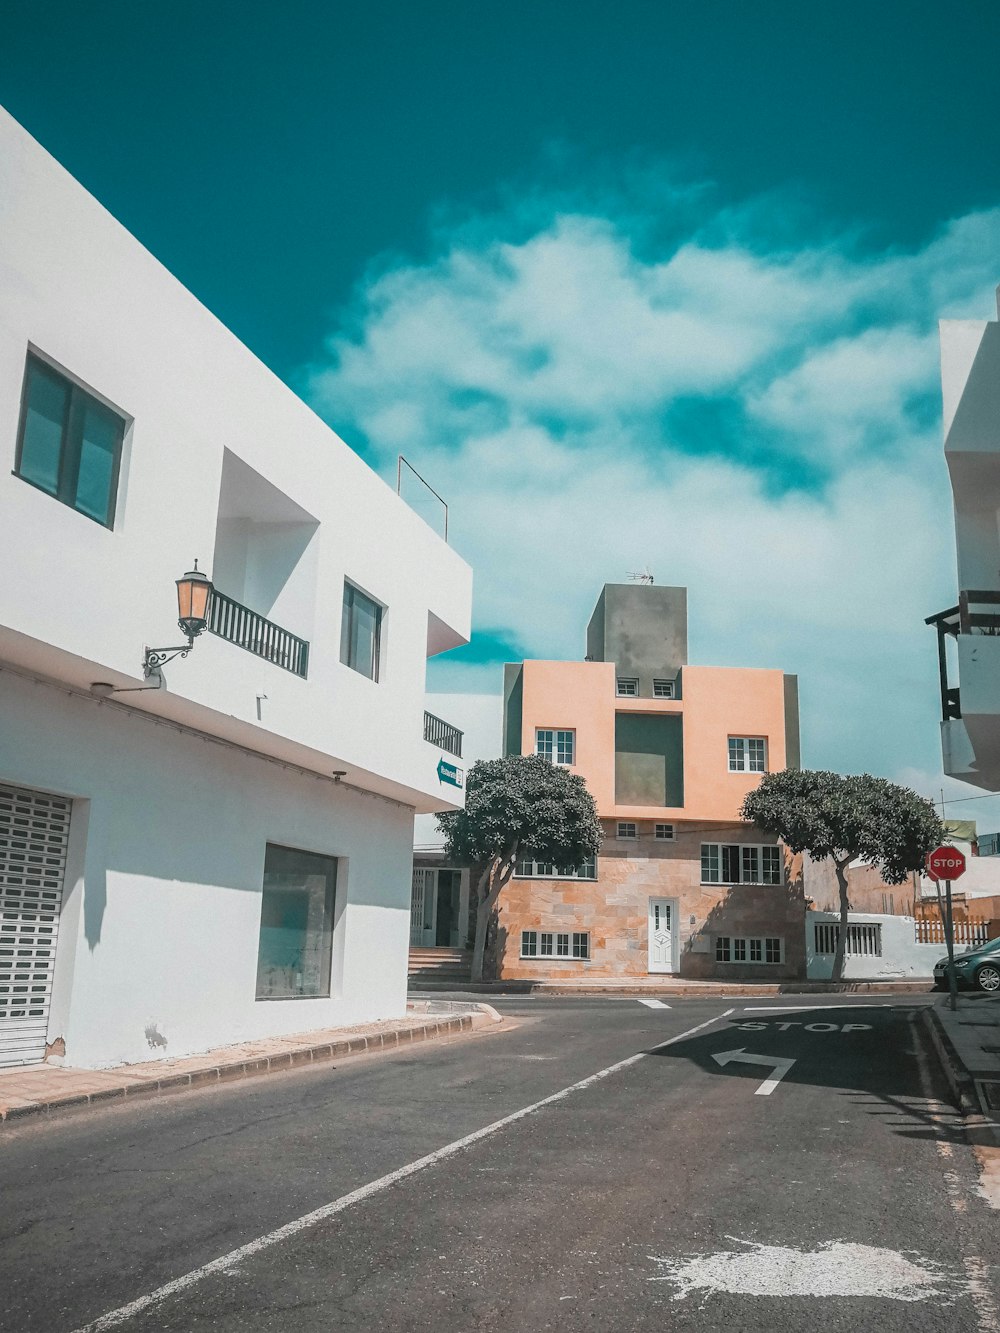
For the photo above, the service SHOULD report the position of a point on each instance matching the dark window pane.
(100, 441)
(44, 417)
(359, 635)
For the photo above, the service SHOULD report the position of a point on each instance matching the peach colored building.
(669, 750)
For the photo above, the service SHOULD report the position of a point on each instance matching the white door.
(34, 831)
(661, 935)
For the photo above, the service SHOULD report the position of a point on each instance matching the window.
(626, 829)
(69, 444)
(663, 689)
(551, 944)
(556, 746)
(747, 754)
(296, 924)
(546, 870)
(864, 938)
(360, 632)
(733, 949)
(627, 686)
(739, 863)
(664, 832)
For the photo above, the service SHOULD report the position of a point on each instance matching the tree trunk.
(845, 907)
(495, 876)
(482, 917)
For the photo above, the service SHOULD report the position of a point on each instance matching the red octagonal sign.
(946, 863)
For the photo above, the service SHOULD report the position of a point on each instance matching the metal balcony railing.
(442, 734)
(962, 619)
(235, 623)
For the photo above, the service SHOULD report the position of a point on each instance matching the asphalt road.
(671, 1191)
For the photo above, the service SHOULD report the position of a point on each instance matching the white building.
(970, 379)
(228, 856)
(439, 907)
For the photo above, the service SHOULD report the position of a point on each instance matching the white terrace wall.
(901, 957)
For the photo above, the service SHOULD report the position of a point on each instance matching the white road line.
(806, 1008)
(114, 1318)
(654, 1004)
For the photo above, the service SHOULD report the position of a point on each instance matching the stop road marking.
(808, 1027)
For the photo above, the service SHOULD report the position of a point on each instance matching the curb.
(230, 1071)
(963, 1087)
(706, 990)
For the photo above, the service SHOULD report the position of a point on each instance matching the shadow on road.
(869, 1055)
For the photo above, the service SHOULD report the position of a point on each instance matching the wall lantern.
(194, 593)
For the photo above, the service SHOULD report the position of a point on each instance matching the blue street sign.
(449, 773)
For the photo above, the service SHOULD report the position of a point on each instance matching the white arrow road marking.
(775, 1062)
(654, 1004)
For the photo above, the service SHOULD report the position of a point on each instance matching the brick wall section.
(614, 909)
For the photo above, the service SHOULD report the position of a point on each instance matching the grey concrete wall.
(513, 699)
(642, 628)
(793, 754)
(595, 631)
(649, 759)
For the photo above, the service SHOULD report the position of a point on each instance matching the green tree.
(844, 819)
(518, 808)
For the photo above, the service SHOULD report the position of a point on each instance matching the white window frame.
(745, 856)
(627, 687)
(663, 689)
(665, 832)
(627, 824)
(756, 950)
(546, 870)
(570, 946)
(742, 759)
(555, 744)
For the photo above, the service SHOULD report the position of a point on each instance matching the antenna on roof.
(641, 576)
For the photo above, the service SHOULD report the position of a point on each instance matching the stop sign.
(946, 863)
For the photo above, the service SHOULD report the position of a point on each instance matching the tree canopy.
(852, 817)
(521, 807)
(845, 819)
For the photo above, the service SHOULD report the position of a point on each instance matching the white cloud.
(751, 425)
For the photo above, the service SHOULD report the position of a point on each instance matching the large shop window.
(69, 443)
(296, 925)
(739, 863)
(361, 632)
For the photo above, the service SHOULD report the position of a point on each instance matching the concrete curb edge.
(230, 1071)
(962, 1085)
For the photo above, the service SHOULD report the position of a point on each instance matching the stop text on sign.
(946, 863)
(808, 1027)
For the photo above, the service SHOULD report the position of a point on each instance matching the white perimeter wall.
(901, 955)
(163, 896)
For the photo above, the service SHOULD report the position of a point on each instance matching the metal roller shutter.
(34, 831)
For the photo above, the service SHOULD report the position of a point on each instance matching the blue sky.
(651, 285)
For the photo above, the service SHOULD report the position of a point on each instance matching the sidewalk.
(968, 1044)
(38, 1089)
(662, 986)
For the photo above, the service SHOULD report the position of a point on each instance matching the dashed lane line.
(226, 1262)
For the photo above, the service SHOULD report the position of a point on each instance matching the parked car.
(979, 967)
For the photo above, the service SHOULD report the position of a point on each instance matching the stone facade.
(614, 909)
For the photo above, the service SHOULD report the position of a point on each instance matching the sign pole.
(947, 863)
(949, 935)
